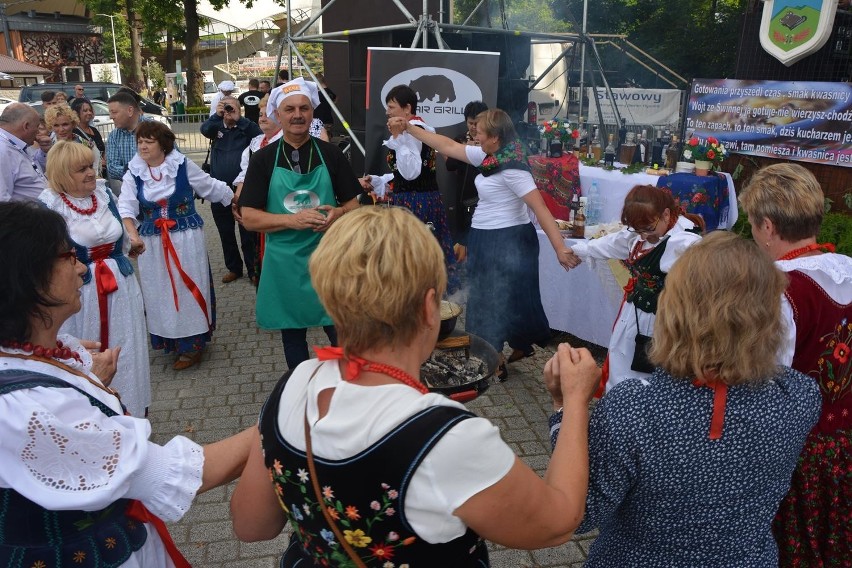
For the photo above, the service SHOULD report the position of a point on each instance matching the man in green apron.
(293, 191)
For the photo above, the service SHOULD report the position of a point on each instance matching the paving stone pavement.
(224, 393)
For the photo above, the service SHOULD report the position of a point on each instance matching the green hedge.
(836, 228)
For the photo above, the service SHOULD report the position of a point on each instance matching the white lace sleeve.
(63, 453)
(408, 160)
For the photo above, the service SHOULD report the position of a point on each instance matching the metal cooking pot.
(472, 389)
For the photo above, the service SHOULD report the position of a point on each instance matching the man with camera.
(230, 134)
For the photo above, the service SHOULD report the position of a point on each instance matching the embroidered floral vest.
(116, 252)
(34, 537)
(823, 343)
(426, 181)
(180, 206)
(366, 496)
(648, 278)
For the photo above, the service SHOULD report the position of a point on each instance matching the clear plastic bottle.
(593, 205)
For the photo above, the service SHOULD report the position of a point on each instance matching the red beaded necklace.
(795, 253)
(58, 352)
(90, 211)
(355, 365)
(153, 177)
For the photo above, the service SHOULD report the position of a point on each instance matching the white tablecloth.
(583, 301)
(614, 186)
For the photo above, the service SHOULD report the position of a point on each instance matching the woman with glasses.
(160, 185)
(112, 311)
(656, 233)
(81, 484)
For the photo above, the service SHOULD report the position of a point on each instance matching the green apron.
(285, 297)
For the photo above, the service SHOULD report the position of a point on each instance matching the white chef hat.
(227, 86)
(297, 86)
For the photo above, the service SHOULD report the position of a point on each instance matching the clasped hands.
(397, 125)
(318, 219)
(568, 259)
(571, 374)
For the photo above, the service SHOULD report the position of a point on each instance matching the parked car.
(4, 102)
(97, 90)
(102, 120)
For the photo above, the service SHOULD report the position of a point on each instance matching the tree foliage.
(695, 38)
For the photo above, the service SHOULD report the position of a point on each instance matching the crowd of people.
(722, 436)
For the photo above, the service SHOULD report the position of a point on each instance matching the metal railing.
(187, 130)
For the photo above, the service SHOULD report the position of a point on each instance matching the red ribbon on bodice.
(138, 512)
(106, 285)
(720, 400)
(170, 254)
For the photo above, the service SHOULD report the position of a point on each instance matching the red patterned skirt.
(813, 527)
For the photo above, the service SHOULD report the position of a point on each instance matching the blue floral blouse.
(663, 494)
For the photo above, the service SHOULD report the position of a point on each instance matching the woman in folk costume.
(784, 203)
(112, 310)
(367, 466)
(656, 233)
(175, 270)
(412, 181)
(81, 483)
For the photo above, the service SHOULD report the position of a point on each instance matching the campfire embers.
(460, 367)
(452, 368)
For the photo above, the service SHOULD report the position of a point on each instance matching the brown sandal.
(187, 360)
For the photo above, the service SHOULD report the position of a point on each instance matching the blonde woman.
(112, 310)
(400, 474)
(784, 203)
(687, 466)
(63, 123)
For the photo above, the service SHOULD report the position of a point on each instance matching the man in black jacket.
(231, 134)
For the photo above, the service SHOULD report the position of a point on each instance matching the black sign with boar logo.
(435, 88)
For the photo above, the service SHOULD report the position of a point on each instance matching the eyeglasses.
(647, 230)
(72, 254)
(294, 157)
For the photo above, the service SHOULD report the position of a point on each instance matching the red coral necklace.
(795, 253)
(90, 211)
(355, 365)
(58, 352)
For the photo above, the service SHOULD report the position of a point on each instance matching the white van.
(550, 95)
